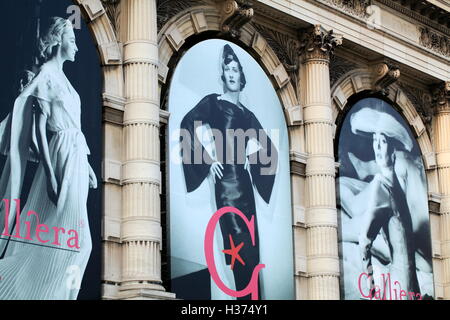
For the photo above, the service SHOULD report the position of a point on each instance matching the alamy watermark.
(232, 147)
(75, 16)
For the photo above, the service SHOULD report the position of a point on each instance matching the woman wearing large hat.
(393, 205)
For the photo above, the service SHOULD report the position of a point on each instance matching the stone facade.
(318, 55)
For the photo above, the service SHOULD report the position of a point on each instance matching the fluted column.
(442, 142)
(141, 222)
(321, 214)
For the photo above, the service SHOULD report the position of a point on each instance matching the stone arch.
(360, 80)
(109, 50)
(201, 19)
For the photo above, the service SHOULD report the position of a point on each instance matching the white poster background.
(197, 75)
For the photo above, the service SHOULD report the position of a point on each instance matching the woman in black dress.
(233, 171)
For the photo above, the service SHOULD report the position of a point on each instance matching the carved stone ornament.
(285, 47)
(234, 16)
(422, 101)
(436, 42)
(166, 9)
(384, 74)
(316, 43)
(339, 67)
(113, 12)
(353, 7)
(441, 97)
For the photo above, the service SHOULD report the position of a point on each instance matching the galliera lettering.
(72, 242)
(394, 289)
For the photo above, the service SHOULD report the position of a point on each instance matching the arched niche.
(357, 84)
(199, 23)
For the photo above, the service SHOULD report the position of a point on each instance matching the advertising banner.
(385, 238)
(230, 205)
(50, 145)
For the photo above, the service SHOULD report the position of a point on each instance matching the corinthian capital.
(317, 43)
(441, 97)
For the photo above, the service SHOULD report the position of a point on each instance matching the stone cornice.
(371, 43)
(361, 9)
(433, 35)
(416, 15)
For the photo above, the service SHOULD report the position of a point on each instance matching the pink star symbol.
(234, 253)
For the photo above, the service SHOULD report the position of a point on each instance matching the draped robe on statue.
(235, 188)
(44, 269)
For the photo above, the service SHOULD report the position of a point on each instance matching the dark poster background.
(18, 31)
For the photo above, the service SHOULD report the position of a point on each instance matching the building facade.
(322, 58)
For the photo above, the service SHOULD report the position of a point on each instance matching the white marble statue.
(46, 253)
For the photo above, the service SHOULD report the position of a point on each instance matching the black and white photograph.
(50, 143)
(228, 148)
(385, 241)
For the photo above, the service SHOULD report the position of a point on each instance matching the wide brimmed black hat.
(368, 121)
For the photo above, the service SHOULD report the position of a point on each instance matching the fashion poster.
(385, 231)
(50, 144)
(230, 223)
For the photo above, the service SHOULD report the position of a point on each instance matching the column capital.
(317, 43)
(441, 97)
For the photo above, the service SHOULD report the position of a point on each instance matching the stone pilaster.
(141, 222)
(442, 143)
(321, 214)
